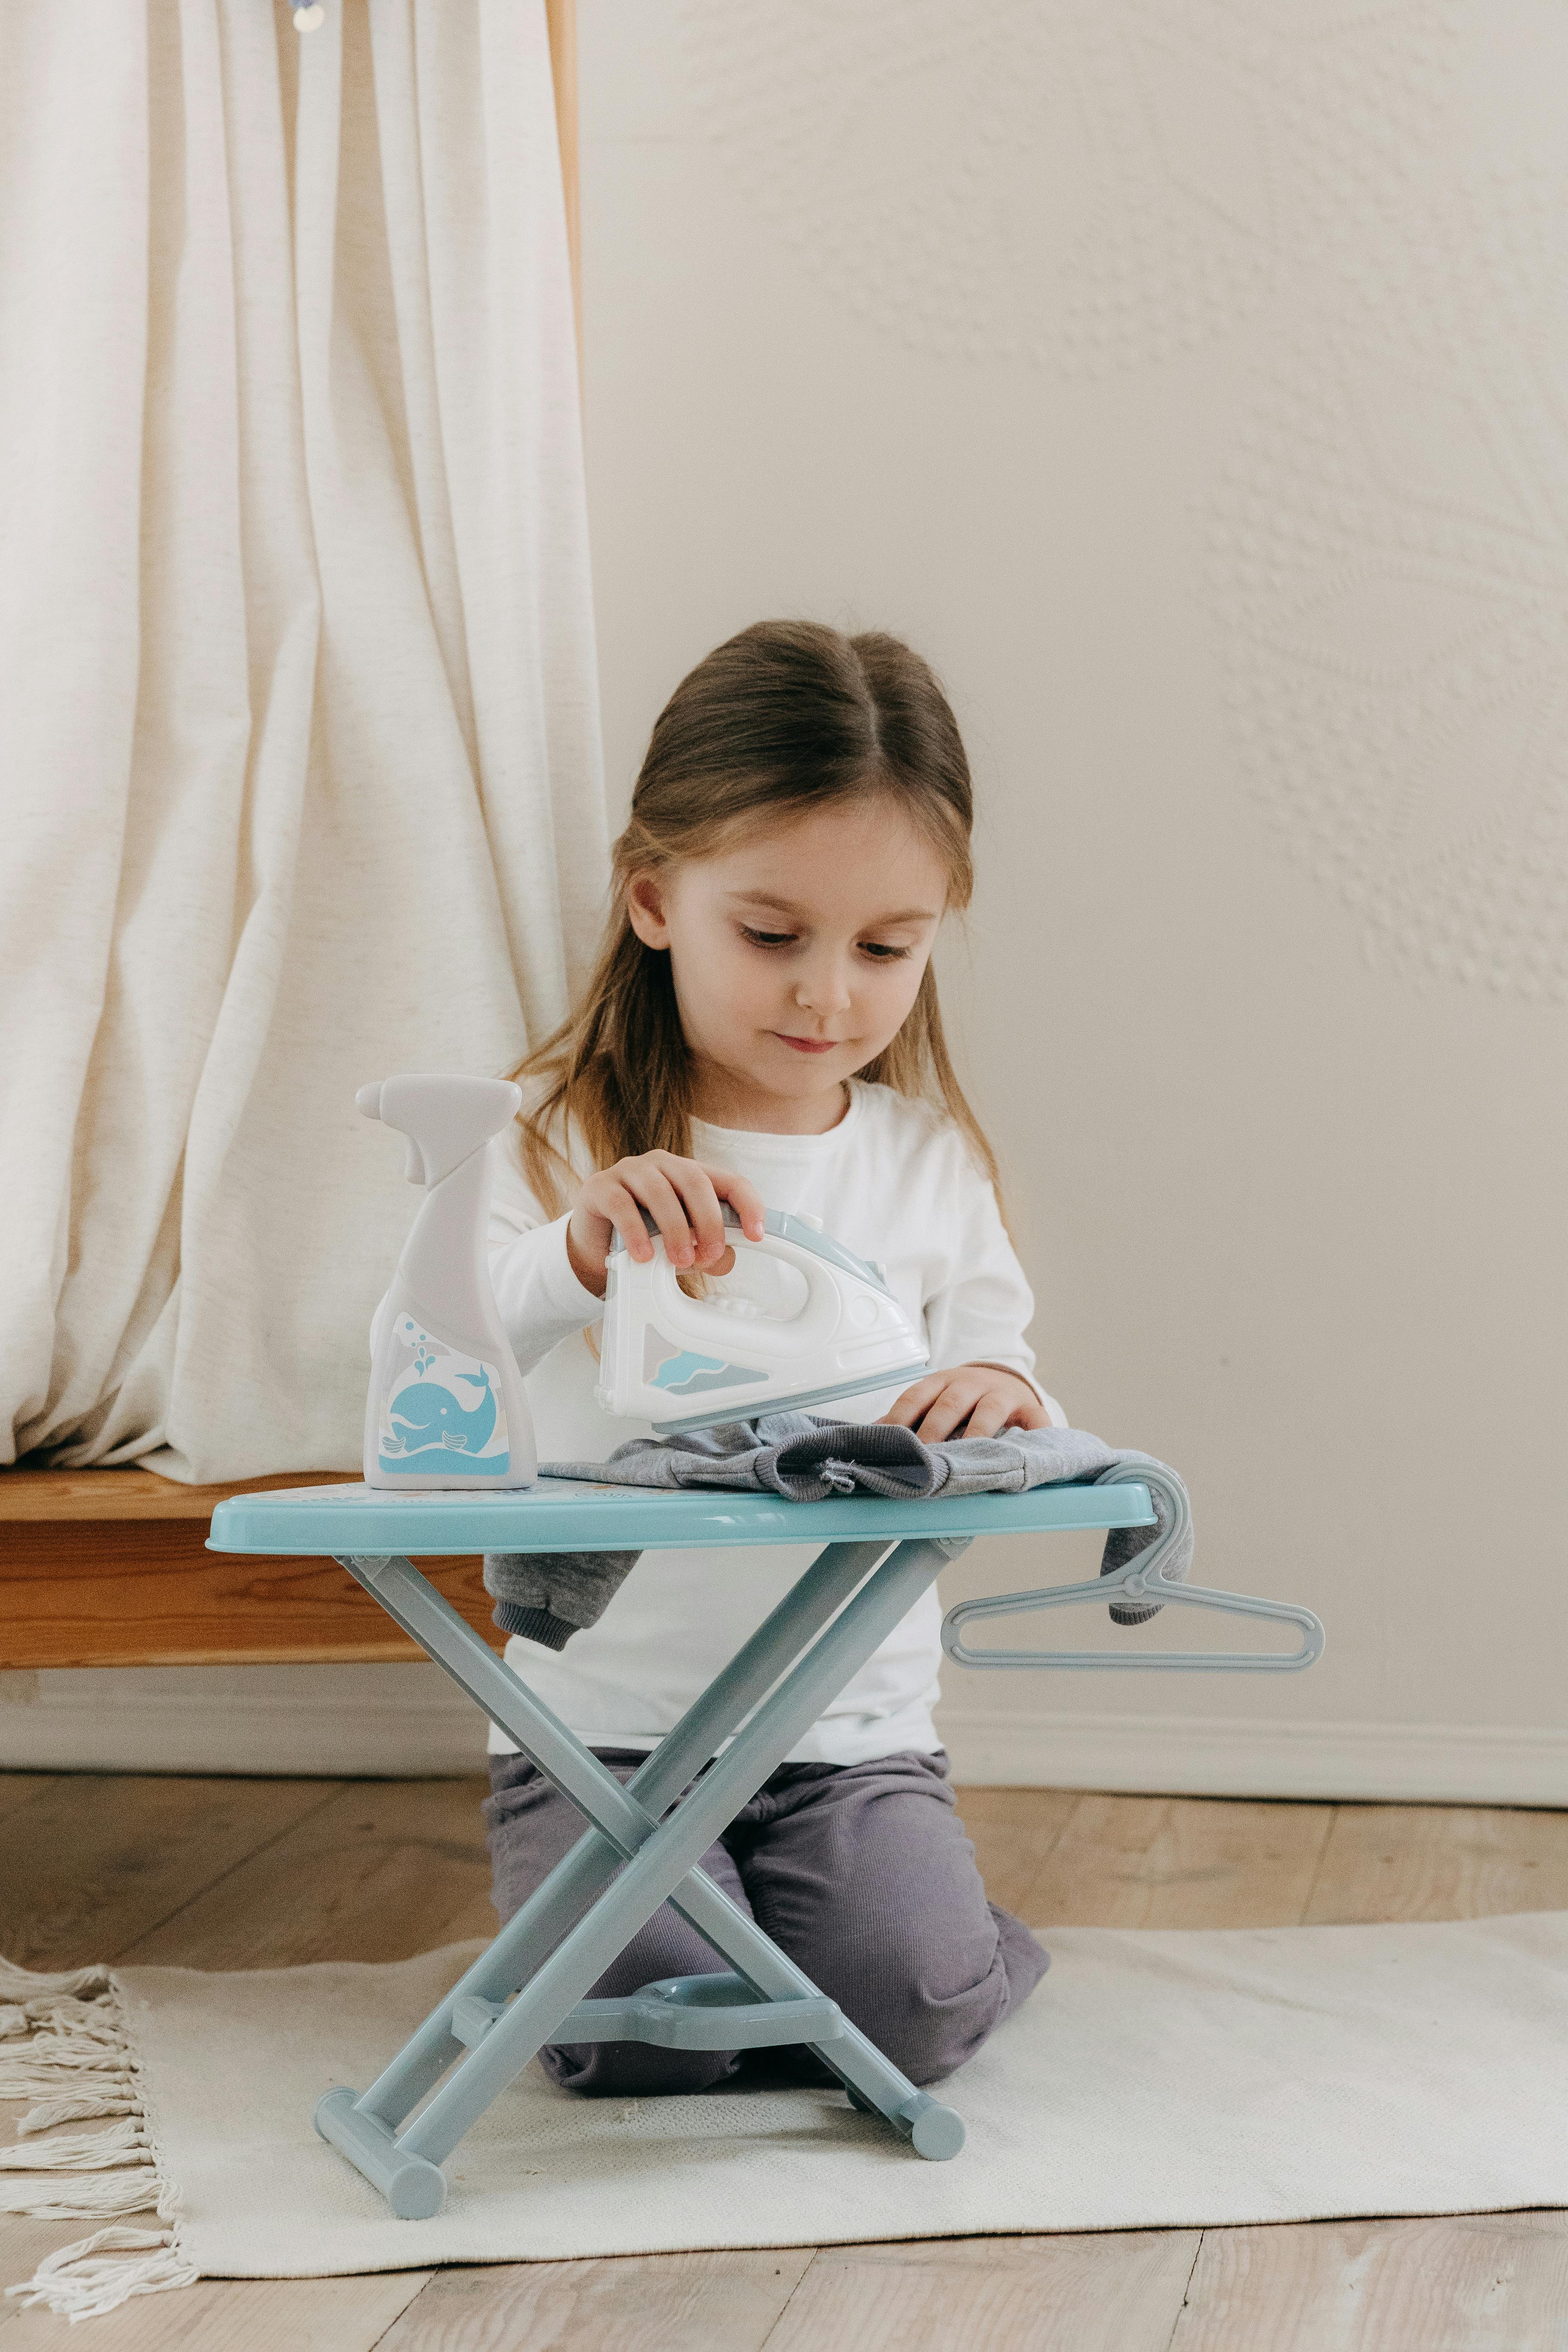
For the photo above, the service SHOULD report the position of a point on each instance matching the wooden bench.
(108, 1568)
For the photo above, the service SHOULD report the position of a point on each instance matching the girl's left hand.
(973, 1400)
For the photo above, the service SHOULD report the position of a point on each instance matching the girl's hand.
(683, 1198)
(973, 1401)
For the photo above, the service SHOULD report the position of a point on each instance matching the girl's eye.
(881, 953)
(766, 938)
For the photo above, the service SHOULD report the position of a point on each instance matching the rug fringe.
(98, 2151)
(76, 2107)
(65, 2041)
(98, 2273)
(87, 2197)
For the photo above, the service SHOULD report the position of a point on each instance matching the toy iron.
(821, 1324)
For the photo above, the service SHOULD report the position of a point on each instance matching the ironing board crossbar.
(667, 2015)
(702, 2013)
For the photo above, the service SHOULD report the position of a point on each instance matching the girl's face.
(797, 954)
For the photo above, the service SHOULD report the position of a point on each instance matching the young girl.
(762, 1029)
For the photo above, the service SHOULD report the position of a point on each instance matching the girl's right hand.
(681, 1195)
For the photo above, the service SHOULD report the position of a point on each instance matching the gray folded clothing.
(548, 1596)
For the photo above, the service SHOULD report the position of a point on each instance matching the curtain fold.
(301, 755)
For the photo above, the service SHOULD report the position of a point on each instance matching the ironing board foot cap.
(935, 2131)
(413, 2188)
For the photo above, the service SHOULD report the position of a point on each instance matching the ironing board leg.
(664, 1860)
(664, 1855)
(624, 1818)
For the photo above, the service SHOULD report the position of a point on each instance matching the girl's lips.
(807, 1045)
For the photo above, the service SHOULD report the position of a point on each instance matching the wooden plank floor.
(221, 1874)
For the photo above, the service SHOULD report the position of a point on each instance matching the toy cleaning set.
(463, 1459)
(447, 1405)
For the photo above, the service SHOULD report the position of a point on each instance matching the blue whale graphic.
(427, 1414)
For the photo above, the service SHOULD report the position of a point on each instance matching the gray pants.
(861, 1872)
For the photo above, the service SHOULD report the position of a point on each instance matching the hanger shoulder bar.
(1135, 1584)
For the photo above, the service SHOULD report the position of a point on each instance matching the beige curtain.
(301, 763)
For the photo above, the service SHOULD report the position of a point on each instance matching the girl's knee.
(928, 2016)
(928, 2036)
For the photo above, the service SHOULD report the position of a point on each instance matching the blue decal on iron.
(689, 1373)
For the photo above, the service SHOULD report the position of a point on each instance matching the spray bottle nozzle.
(444, 1117)
(368, 1100)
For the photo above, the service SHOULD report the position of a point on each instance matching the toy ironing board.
(530, 1985)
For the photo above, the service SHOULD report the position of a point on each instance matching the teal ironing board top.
(570, 1515)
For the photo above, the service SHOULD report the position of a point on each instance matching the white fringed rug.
(1153, 2081)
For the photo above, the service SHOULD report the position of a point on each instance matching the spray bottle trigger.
(413, 1166)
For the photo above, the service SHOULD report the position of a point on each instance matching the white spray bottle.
(446, 1406)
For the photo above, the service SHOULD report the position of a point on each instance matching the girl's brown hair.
(784, 718)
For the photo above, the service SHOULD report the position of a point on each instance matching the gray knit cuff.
(533, 1624)
(548, 1596)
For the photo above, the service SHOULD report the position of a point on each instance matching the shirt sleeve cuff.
(565, 1295)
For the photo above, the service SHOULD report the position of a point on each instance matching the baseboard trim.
(354, 1722)
(1175, 1755)
(374, 1721)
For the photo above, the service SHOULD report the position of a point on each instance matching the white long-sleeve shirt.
(893, 1182)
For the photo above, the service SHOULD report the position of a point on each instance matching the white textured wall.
(1191, 382)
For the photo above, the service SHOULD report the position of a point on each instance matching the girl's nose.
(825, 991)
